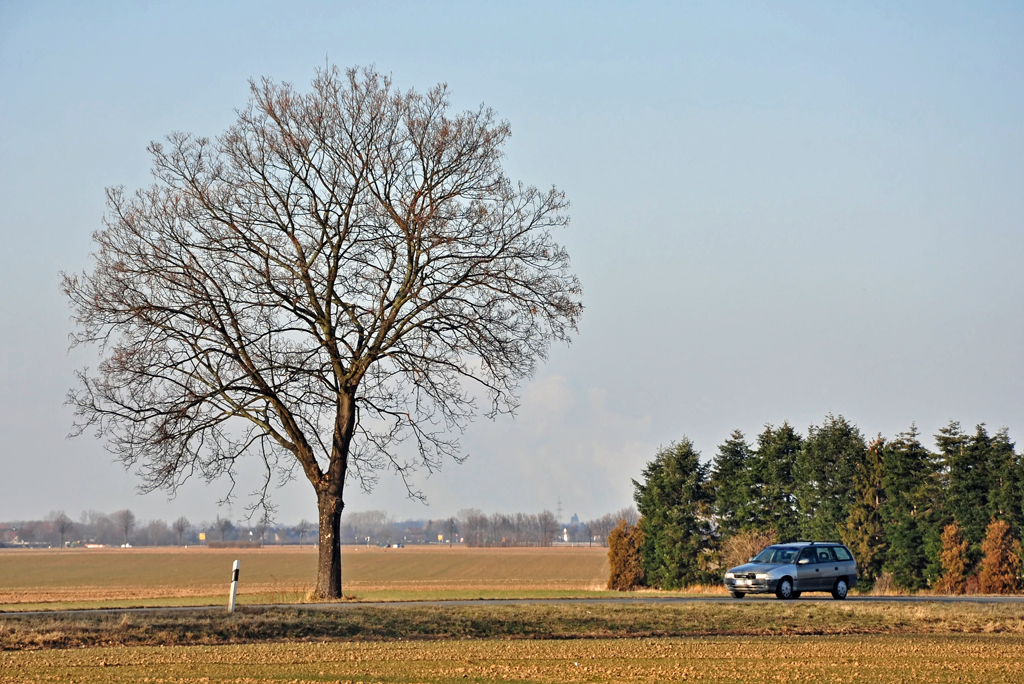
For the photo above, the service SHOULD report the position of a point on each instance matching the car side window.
(808, 554)
(825, 555)
(841, 553)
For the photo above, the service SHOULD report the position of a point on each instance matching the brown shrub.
(740, 547)
(885, 585)
(624, 557)
(954, 561)
(1000, 563)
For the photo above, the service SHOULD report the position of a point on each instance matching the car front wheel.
(737, 594)
(785, 589)
(840, 589)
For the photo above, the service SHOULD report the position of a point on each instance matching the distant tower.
(558, 513)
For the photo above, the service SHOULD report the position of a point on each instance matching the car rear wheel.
(796, 594)
(785, 589)
(840, 589)
(737, 594)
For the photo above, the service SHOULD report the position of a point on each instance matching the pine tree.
(772, 482)
(730, 484)
(954, 561)
(910, 480)
(864, 532)
(933, 550)
(966, 459)
(1001, 560)
(674, 501)
(825, 466)
(1006, 490)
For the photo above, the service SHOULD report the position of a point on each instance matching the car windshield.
(777, 554)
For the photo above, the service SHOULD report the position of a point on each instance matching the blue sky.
(780, 210)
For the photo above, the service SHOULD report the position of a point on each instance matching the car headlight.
(761, 575)
(729, 575)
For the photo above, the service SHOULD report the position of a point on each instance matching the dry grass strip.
(356, 622)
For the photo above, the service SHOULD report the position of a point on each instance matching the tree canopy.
(825, 467)
(674, 501)
(341, 271)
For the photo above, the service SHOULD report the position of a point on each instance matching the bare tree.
(494, 528)
(61, 525)
(330, 277)
(180, 527)
(262, 525)
(374, 524)
(451, 529)
(548, 527)
(125, 521)
(223, 526)
(629, 514)
(302, 528)
(602, 527)
(742, 546)
(101, 528)
(473, 524)
(27, 532)
(523, 526)
(155, 533)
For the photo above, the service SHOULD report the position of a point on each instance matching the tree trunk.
(328, 573)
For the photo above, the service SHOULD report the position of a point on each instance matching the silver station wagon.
(788, 570)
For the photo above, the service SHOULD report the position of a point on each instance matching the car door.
(830, 568)
(807, 571)
(847, 566)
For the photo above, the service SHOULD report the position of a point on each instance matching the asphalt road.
(649, 600)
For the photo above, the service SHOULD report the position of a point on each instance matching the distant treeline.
(522, 529)
(124, 528)
(475, 528)
(374, 527)
(889, 499)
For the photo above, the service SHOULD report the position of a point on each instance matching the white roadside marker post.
(234, 587)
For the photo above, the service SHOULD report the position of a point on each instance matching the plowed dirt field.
(876, 659)
(197, 576)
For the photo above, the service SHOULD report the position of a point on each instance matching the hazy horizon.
(778, 212)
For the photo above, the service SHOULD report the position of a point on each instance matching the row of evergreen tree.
(889, 500)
